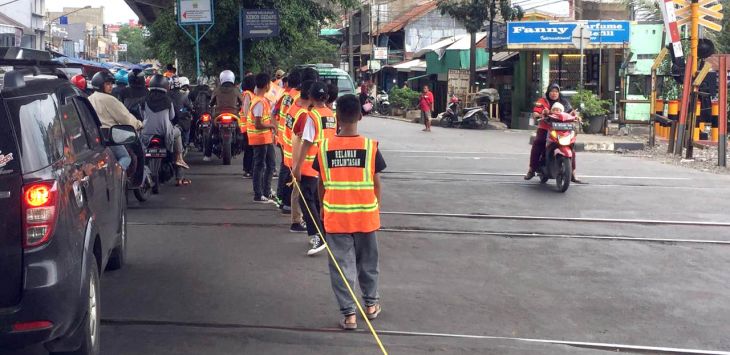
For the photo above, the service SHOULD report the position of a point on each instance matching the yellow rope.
(342, 275)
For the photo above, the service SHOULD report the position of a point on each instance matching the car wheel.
(119, 254)
(90, 342)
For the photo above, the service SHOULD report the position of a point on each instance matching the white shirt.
(309, 131)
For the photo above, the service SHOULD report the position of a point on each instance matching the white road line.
(445, 152)
(565, 236)
(454, 158)
(556, 218)
(561, 342)
(522, 174)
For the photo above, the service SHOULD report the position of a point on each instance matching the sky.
(114, 10)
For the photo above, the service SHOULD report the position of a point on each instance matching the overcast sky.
(114, 10)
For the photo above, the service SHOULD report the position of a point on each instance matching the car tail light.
(205, 117)
(39, 207)
(27, 326)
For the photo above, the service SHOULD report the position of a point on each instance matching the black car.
(62, 209)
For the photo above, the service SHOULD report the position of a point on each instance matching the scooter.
(202, 131)
(140, 183)
(557, 162)
(471, 117)
(382, 103)
(159, 161)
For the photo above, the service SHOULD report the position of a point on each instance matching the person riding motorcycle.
(134, 95)
(121, 79)
(158, 115)
(183, 107)
(542, 108)
(111, 112)
(226, 99)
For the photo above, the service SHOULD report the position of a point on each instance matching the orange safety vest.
(244, 121)
(292, 112)
(347, 166)
(259, 136)
(325, 127)
(286, 101)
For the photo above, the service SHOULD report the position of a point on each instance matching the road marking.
(607, 346)
(445, 152)
(454, 158)
(557, 218)
(564, 236)
(458, 173)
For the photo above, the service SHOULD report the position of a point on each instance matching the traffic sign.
(260, 23)
(581, 36)
(710, 13)
(192, 12)
(122, 47)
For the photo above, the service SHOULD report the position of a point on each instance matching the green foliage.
(298, 41)
(137, 49)
(589, 104)
(404, 98)
(722, 38)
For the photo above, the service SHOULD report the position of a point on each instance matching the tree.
(474, 13)
(298, 41)
(137, 49)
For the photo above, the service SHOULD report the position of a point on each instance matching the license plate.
(205, 125)
(563, 126)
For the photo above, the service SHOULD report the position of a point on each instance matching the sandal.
(183, 182)
(375, 313)
(182, 164)
(347, 326)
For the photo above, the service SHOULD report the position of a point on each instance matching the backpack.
(135, 105)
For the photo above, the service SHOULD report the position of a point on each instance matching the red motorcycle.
(557, 162)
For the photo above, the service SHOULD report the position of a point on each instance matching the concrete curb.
(603, 146)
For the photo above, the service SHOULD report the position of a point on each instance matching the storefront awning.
(411, 65)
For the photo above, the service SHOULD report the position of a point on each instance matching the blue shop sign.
(544, 32)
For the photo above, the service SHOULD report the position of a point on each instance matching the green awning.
(418, 77)
(330, 32)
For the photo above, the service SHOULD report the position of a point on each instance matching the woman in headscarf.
(542, 107)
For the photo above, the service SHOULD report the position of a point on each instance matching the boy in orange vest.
(261, 138)
(349, 165)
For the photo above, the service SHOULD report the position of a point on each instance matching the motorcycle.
(140, 183)
(557, 162)
(382, 103)
(226, 137)
(472, 117)
(202, 131)
(159, 161)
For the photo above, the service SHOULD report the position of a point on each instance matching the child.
(349, 165)
(261, 138)
(556, 111)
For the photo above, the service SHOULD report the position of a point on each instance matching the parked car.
(62, 209)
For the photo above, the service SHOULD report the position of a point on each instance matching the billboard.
(542, 34)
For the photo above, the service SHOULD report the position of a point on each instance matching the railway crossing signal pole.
(722, 117)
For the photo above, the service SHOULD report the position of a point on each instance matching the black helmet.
(159, 82)
(136, 78)
(98, 80)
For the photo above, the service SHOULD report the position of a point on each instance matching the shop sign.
(561, 33)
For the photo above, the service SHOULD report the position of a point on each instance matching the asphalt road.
(473, 260)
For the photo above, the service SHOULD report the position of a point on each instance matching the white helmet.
(184, 81)
(227, 76)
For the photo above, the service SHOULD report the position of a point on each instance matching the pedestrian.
(248, 87)
(183, 107)
(425, 103)
(261, 138)
(332, 92)
(283, 191)
(349, 165)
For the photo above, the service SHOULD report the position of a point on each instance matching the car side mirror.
(122, 134)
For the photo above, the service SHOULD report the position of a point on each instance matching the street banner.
(538, 34)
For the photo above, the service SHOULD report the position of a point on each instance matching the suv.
(62, 208)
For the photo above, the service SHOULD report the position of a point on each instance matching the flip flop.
(183, 182)
(347, 326)
(374, 315)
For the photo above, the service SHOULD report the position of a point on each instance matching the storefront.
(550, 52)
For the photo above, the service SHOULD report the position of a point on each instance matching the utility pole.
(351, 63)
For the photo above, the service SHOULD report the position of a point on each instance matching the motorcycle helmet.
(160, 83)
(227, 76)
(136, 78)
(79, 81)
(184, 81)
(175, 82)
(121, 77)
(98, 80)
